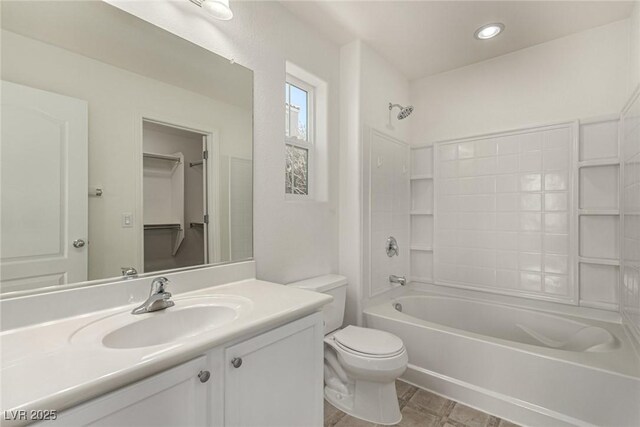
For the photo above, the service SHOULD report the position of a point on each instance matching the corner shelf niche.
(422, 186)
(598, 174)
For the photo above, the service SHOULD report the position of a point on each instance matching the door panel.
(279, 380)
(43, 188)
(172, 398)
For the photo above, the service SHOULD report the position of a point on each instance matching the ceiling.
(428, 37)
(100, 31)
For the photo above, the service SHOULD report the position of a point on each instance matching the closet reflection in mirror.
(123, 147)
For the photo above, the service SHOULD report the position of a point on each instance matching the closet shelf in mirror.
(198, 163)
(156, 156)
(417, 177)
(196, 225)
(176, 227)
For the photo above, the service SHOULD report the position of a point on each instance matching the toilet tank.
(333, 285)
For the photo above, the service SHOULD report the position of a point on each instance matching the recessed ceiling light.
(489, 31)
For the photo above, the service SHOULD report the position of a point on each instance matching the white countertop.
(43, 369)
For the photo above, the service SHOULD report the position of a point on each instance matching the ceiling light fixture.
(489, 31)
(217, 8)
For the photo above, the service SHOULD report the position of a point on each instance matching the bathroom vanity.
(111, 367)
(249, 381)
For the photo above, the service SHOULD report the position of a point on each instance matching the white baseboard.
(499, 405)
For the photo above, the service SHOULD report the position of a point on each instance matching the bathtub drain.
(398, 306)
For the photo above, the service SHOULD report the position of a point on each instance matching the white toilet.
(361, 364)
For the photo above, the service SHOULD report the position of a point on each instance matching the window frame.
(309, 144)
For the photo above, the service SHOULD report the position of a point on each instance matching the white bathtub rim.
(467, 393)
(542, 305)
(562, 317)
(387, 311)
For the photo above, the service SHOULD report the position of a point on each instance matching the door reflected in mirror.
(124, 149)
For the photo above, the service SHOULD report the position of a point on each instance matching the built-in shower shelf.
(598, 162)
(418, 177)
(421, 212)
(599, 261)
(599, 212)
(422, 248)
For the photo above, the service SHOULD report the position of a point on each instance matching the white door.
(43, 189)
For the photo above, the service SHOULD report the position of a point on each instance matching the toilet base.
(370, 401)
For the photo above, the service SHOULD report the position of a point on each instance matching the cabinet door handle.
(236, 362)
(204, 376)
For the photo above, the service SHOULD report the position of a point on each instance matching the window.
(299, 137)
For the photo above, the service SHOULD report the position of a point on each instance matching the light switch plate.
(127, 220)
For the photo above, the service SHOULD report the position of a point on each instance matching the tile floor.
(421, 408)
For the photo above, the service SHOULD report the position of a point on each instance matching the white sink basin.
(188, 318)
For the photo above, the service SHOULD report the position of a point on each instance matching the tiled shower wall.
(503, 212)
(387, 202)
(630, 156)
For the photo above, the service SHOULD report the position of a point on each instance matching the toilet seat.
(370, 343)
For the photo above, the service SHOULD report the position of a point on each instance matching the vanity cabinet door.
(276, 379)
(176, 397)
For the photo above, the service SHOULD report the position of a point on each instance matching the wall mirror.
(124, 149)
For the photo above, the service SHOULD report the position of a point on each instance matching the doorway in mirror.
(176, 209)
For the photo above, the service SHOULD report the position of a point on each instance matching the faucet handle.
(158, 285)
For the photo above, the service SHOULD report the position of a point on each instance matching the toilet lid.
(369, 341)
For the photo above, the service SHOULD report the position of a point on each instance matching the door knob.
(78, 243)
(236, 362)
(204, 376)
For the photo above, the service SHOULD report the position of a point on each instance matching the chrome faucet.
(159, 298)
(398, 279)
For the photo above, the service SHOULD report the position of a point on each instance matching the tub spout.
(398, 279)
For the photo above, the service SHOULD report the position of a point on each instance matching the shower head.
(404, 111)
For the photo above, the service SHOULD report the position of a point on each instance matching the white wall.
(381, 83)
(350, 231)
(630, 159)
(634, 48)
(293, 240)
(368, 84)
(578, 76)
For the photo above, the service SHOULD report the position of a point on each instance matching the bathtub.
(527, 366)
